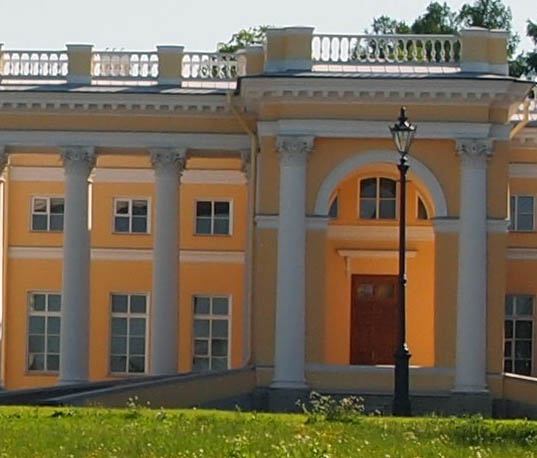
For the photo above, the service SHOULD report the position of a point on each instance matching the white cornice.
(374, 254)
(230, 177)
(19, 173)
(115, 103)
(451, 225)
(113, 175)
(314, 223)
(379, 232)
(378, 129)
(201, 140)
(383, 90)
(126, 254)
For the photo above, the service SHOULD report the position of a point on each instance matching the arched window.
(378, 198)
(422, 210)
(333, 212)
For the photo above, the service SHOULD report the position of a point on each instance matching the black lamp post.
(403, 133)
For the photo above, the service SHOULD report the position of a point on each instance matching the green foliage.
(531, 58)
(28, 432)
(437, 19)
(326, 408)
(385, 25)
(245, 37)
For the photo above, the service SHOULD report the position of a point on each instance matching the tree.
(531, 59)
(490, 14)
(245, 37)
(385, 25)
(438, 19)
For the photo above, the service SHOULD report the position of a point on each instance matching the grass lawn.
(140, 432)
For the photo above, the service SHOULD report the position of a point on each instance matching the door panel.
(373, 319)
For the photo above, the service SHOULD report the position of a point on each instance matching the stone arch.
(349, 165)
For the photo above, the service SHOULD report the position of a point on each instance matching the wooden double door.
(373, 319)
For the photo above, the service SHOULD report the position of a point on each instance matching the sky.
(196, 24)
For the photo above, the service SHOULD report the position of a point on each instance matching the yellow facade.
(275, 150)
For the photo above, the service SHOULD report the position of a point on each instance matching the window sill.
(212, 235)
(130, 233)
(42, 373)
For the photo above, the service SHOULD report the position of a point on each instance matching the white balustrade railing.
(386, 49)
(33, 64)
(124, 65)
(211, 66)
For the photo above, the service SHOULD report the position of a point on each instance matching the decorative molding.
(128, 254)
(452, 225)
(314, 223)
(128, 175)
(219, 257)
(201, 176)
(523, 170)
(374, 254)
(336, 128)
(121, 175)
(379, 232)
(134, 140)
(387, 369)
(168, 159)
(519, 253)
(21, 173)
(78, 158)
(293, 149)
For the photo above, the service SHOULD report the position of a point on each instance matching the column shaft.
(289, 358)
(470, 374)
(74, 332)
(164, 316)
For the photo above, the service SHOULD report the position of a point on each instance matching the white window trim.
(31, 213)
(129, 315)
(213, 200)
(46, 314)
(130, 199)
(531, 318)
(515, 220)
(210, 317)
(377, 197)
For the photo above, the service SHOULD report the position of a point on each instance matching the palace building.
(173, 212)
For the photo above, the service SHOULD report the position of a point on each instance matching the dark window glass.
(203, 209)
(333, 211)
(422, 211)
(368, 188)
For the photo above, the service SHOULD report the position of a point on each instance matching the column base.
(471, 402)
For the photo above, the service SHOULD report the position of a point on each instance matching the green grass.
(139, 432)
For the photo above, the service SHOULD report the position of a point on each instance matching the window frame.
(513, 216)
(377, 197)
(48, 214)
(130, 200)
(419, 198)
(514, 318)
(129, 315)
(46, 314)
(210, 317)
(212, 200)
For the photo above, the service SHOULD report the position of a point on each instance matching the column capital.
(81, 158)
(474, 152)
(169, 159)
(293, 149)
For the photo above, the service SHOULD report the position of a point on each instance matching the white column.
(168, 165)
(290, 347)
(470, 372)
(74, 333)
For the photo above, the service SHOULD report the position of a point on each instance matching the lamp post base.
(401, 398)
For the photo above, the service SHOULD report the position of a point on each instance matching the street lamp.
(403, 133)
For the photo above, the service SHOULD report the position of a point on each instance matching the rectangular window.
(522, 213)
(211, 333)
(131, 216)
(47, 214)
(377, 198)
(128, 347)
(213, 217)
(44, 320)
(518, 334)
